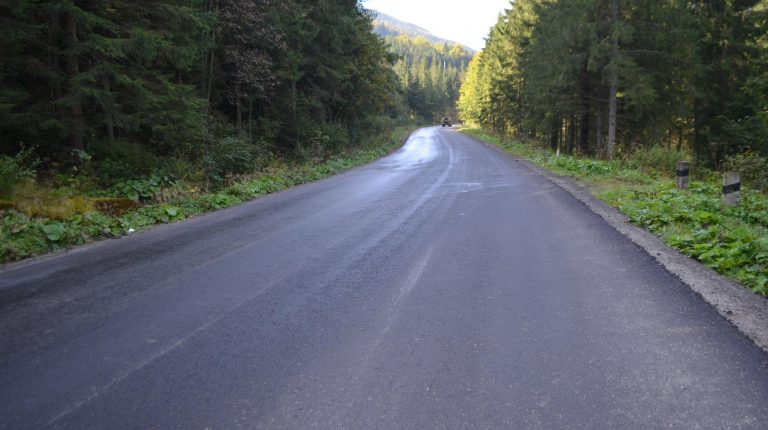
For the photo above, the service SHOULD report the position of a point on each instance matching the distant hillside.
(430, 69)
(385, 25)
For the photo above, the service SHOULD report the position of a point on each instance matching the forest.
(110, 90)
(605, 77)
(430, 75)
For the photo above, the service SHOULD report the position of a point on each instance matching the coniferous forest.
(126, 88)
(603, 77)
(430, 74)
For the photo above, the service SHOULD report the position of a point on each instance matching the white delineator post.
(682, 171)
(731, 188)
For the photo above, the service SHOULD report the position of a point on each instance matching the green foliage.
(753, 169)
(729, 240)
(17, 169)
(83, 72)
(689, 74)
(54, 231)
(580, 167)
(140, 190)
(20, 236)
(122, 159)
(655, 159)
(230, 155)
(429, 74)
(210, 84)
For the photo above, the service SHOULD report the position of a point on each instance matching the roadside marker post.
(731, 188)
(682, 171)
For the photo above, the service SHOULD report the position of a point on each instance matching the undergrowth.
(731, 240)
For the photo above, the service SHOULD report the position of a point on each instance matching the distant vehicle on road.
(447, 121)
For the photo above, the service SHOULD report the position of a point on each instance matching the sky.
(463, 21)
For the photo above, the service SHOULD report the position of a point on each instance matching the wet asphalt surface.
(445, 286)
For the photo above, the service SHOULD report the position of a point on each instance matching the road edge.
(747, 311)
(72, 249)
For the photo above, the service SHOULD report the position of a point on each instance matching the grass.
(731, 240)
(41, 220)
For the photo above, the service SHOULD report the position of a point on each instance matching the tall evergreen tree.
(586, 75)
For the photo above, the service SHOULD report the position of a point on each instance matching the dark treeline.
(598, 76)
(132, 84)
(430, 74)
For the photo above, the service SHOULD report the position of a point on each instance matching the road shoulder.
(747, 311)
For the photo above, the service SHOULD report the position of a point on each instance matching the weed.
(42, 202)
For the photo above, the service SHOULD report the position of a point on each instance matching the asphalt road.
(445, 286)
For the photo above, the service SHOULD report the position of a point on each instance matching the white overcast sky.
(463, 21)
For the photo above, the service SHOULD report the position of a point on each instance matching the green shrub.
(234, 154)
(656, 159)
(20, 237)
(17, 169)
(143, 189)
(121, 160)
(753, 168)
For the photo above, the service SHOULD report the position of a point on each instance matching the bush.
(20, 237)
(321, 141)
(121, 160)
(656, 159)
(144, 190)
(233, 154)
(753, 168)
(17, 169)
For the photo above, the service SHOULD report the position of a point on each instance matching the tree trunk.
(614, 78)
(584, 114)
(238, 108)
(554, 136)
(214, 6)
(599, 132)
(521, 128)
(571, 133)
(698, 141)
(250, 118)
(73, 69)
(109, 114)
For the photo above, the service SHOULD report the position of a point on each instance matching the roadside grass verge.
(54, 221)
(731, 240)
